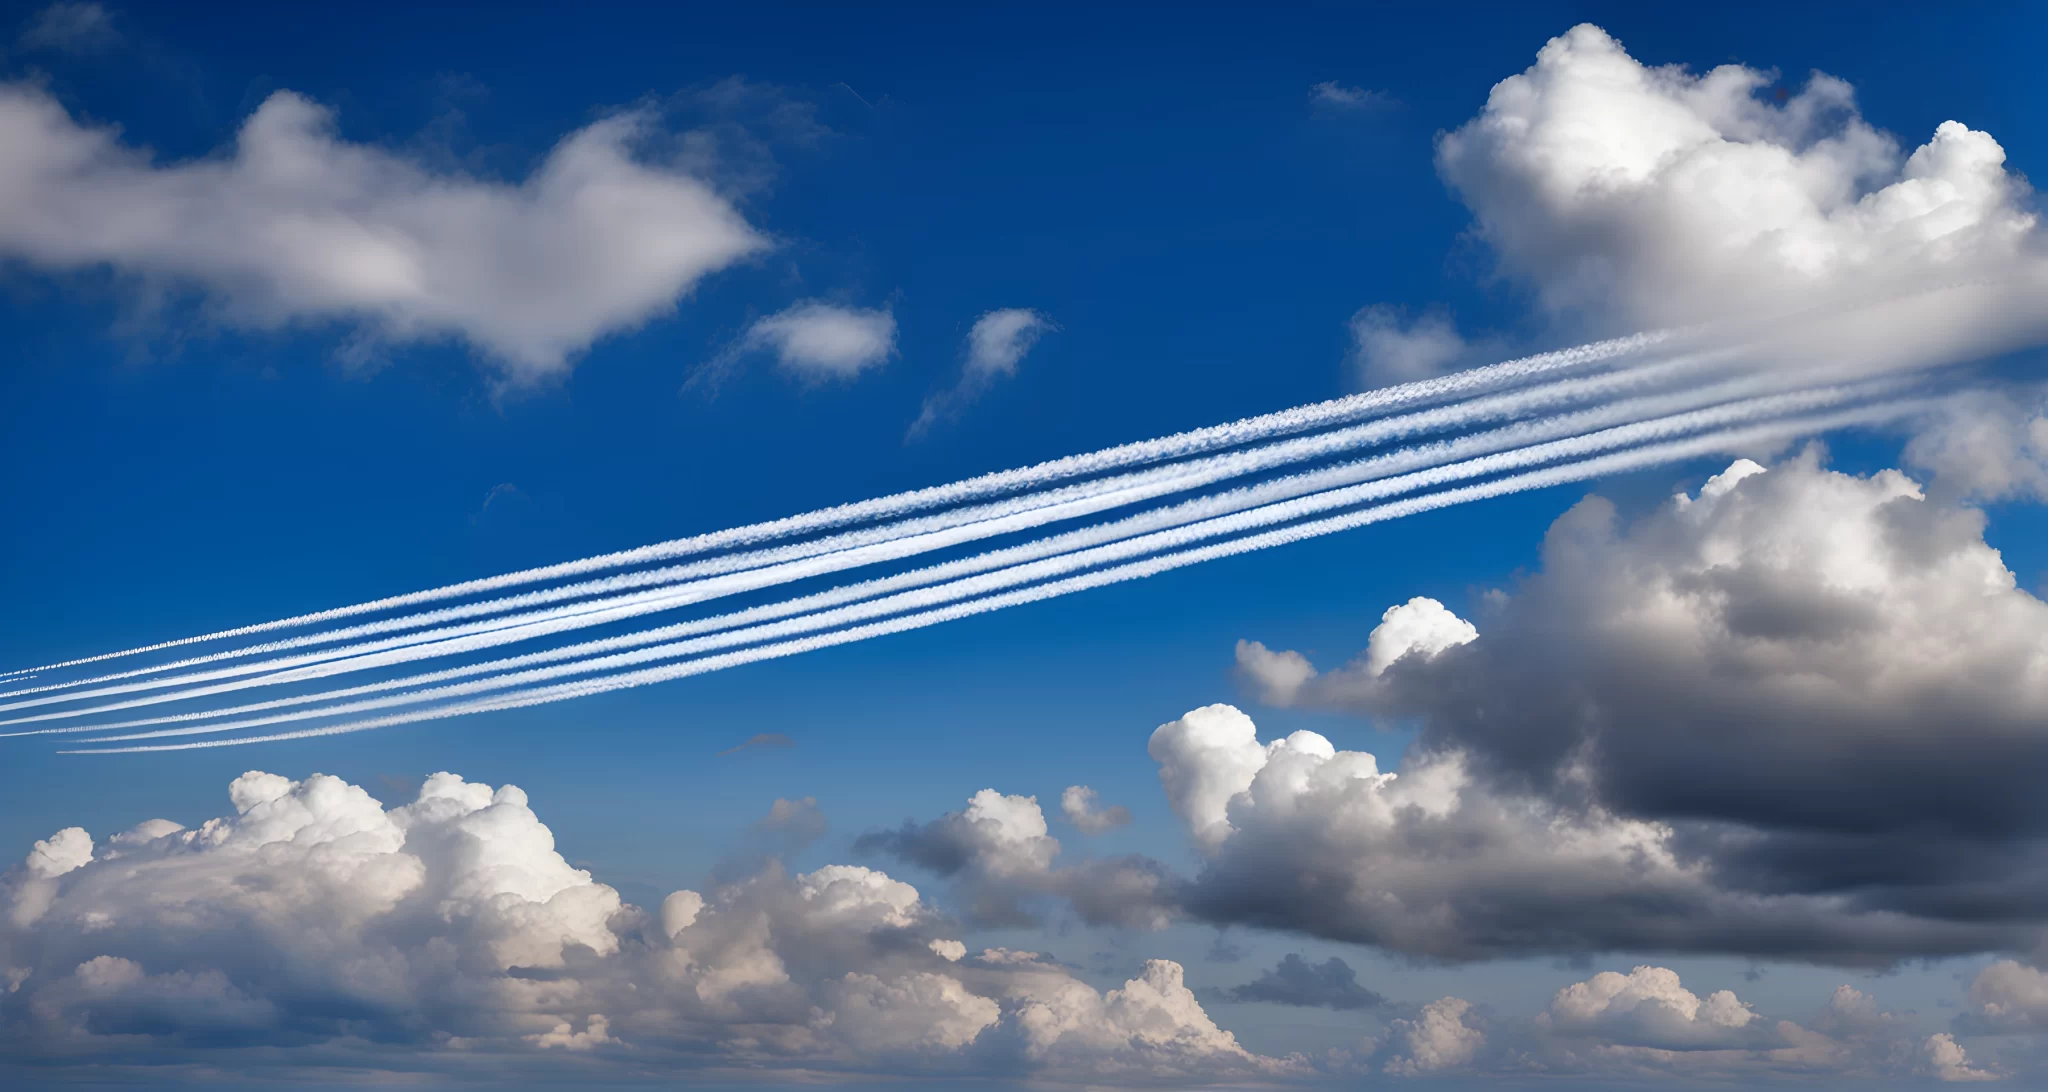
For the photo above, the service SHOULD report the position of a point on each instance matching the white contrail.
(1179, 445)
(463, 639)
(1573, 448)
(1019, 513)
(513, 628)
(1637, 458)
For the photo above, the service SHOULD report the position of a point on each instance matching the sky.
(303, 308)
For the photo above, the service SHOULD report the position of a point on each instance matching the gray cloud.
(1795, 715)
(1331, 984)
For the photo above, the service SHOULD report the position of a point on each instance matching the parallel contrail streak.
(462, 639)
(1017, 513)
(1636, 458)
(1572, 448)
(1183, 444)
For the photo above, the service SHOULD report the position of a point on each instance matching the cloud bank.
(314, 926)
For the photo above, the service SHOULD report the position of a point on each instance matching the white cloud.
(1947, 1061)
(823, 341)
(295, 225)
(321, 928)
(1651, 196)
(995, 346)
(2008, 996)
(1080, 806)
(1386, 350)
(1421, 627)
(1436, 1039)
(1649, 1007)
(814, 341)
(1340, 96)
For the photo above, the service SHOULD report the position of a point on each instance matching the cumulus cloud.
(1653, 196)
(1436, 1040)
(1793, 714)
(295, 225)
(1003, 864)
(2007, 997)
(1331, 984)
(1081, 807)
(315, 926)
(1648, 1007)
(995, 346)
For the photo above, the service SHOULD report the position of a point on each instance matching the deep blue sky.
(1157, 181)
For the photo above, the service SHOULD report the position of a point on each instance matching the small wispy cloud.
(995, 346)
(766, 741)
(812, 340)
(1341, 96)
(71, 27)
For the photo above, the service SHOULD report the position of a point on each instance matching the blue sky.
(1169, 190)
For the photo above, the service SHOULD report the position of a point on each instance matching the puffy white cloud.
(1386, 350)
(995, 346)
(315, 926)
(297, 225)
(1654, 196)
(1436, 1039)
(1649, 1007)
(1421, 627)
(1081, 807)
(1947, 1061)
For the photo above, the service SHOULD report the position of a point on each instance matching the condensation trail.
(1633, 459)
(1573, 448)
(1193, 442)
(1524, 433)
(935, 532)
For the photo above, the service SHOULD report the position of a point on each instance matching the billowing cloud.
(314, 926)
(295, 225)
(1629, 197)
(1436, 1040)
(995, 346)
(1652, 196)
(1797, 713)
